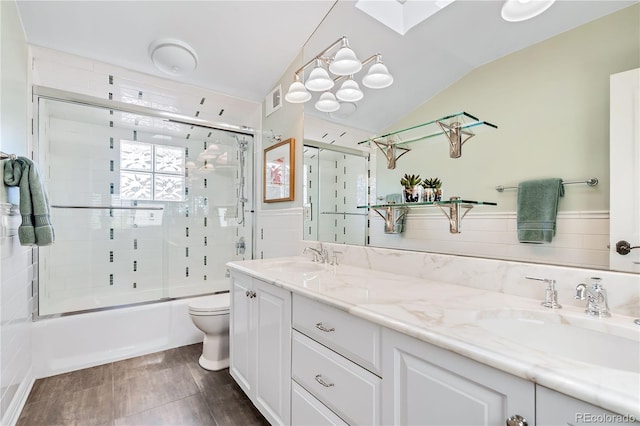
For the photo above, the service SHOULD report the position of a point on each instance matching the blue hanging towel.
(36, 227)
(537, 209)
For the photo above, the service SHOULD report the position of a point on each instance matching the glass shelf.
(458, 128)
(394, 215)
(417, 132)
(429, 203)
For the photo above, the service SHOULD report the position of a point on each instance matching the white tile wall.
(16, 269)
(279, 232)
(581, 238)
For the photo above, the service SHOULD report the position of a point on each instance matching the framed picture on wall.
(279, 171)
(273, 101)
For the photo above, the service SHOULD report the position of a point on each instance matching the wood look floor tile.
(151, 390)
(92, 406)
(166, 388)
(71, 382)
(133, 367)
(234, 409)
(206, 379)
(192, 411)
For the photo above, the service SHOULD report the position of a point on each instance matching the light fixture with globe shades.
(343, 65)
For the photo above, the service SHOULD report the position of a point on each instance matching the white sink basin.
(296, 266)
(570, 341)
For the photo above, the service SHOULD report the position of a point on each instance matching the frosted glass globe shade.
(327, 103)
(297, 93)
(319, 80)
(345, 62)
(349, 91)
(378, 77)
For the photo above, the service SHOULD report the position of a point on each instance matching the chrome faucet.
(319, 255)
(596, 296)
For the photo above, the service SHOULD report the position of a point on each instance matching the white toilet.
(211, 315)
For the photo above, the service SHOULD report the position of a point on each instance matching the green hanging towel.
(537, 209)
(36, 227)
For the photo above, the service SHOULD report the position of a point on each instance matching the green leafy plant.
(434, 183)
(409, 181)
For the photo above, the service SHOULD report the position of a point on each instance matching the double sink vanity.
(344, 342)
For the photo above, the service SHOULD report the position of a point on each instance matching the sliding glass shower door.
(144, 209)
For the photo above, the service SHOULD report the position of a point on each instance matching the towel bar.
(106, 207)
(591, 182)
(4, 156)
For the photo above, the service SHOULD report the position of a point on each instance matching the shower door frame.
(49, 93)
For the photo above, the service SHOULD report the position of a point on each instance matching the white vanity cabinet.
(427, 385)
(335, 366)
(260, 345)
(556, 409)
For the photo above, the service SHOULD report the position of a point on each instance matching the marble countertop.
(454, 317)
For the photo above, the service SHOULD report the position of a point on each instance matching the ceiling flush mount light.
(521, 10)
(343, 65)
(173, 57)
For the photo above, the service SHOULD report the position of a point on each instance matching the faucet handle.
(334, 257)
(551, 294)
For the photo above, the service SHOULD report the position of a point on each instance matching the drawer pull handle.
(320, 380)
(321, 327)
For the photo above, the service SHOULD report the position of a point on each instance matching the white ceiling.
(245, 46)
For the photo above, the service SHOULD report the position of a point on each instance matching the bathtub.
(85, 340)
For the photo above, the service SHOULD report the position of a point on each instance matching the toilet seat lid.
(213, 303)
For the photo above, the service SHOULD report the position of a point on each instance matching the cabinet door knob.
(517, 420)
(321, 327)
(248, 293)
(253, 294)
(624, 247)
(320, 380)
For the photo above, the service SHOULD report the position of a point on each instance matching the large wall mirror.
(543, 82)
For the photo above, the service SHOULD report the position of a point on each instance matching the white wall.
(16, 268)
(551, 105)
(279, 225)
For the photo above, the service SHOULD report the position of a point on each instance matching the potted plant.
(412, 189)
(432, 189)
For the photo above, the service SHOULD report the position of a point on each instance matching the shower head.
(243, 144)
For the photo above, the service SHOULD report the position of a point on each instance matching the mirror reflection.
(550, 102)
(335, 184)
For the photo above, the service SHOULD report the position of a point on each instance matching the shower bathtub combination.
(148, 206)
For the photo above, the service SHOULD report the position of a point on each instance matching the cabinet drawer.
(353, 337)
(349, 390)
(307, 410)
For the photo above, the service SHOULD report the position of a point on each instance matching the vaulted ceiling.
(245, 46)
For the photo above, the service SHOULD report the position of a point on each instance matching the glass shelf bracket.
(395, 214)
(458, 128)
